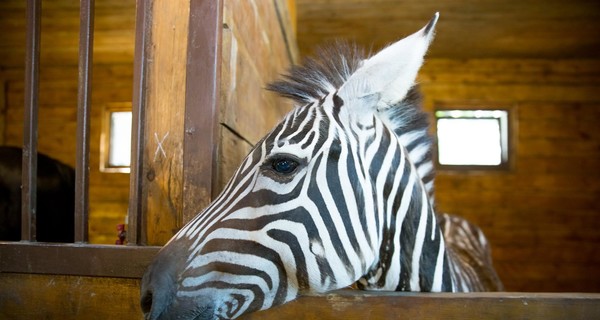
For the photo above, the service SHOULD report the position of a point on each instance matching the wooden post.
(30, 127)
(161, 161)
(202, 109)
(176, 93)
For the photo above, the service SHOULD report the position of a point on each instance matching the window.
(472, 138)
(115, 144)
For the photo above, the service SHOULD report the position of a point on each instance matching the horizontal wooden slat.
(75, 259)
(34, 296)
(468, 28)
(388, 305)
(104, 298)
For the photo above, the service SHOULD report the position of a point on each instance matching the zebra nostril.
(146, 302)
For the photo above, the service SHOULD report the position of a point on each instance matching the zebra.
(336, 195)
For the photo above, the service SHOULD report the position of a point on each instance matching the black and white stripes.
(339, 192)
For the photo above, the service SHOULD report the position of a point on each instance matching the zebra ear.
(387, 76)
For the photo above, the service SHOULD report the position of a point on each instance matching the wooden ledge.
(352, 304)
(75, 259)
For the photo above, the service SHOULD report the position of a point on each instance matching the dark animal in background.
(55, 198)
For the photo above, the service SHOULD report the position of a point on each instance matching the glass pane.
(119, 154)
(469, 141)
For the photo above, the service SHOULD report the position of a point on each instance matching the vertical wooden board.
(202, 105)
(246, 107)
(233, 150)
(2, 110)
(253, 49)
(256, 22)
(165, 105)
(286, 14)
(254, 53)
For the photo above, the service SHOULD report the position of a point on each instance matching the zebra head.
(310, 207)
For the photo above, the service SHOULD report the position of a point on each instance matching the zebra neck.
(412, 254)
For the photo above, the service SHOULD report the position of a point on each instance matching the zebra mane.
(320, 75)
(330, 69)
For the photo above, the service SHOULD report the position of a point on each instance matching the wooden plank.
(2, 110)
(254, 53)
(203, 77)
(161, 163)
(76, 297)
(30, 122)
(514, 29)
(386, 305)
(75, 259)
(233, 149)
(82, 158)
(27, 296)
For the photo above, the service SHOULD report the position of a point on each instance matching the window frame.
(107, 110)
(507, 135)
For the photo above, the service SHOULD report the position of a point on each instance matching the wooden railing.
(197, 130)
(350, 305)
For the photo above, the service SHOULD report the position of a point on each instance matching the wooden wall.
(247, 112)
(259, 44)
(542, 216)
(257, 48)
(111, 82)
(248, 66)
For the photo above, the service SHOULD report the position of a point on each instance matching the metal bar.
(75, 259)
(82, 169)
(30, 125)
(136, 233)
(203, 72)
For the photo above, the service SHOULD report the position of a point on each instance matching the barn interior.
(538, 60)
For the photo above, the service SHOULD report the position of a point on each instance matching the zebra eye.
(284, 165)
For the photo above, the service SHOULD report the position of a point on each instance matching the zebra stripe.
(338, 193)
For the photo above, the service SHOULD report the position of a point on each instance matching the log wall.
(542, 216)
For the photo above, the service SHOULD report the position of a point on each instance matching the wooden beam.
(160, 102)
(29, 296)
(30, 124)
(203, 70)
(350, 304)
(84, 93)
(75, 259)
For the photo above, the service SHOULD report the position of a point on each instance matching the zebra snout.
(158, 296)
(162, 303)
(196, 308)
